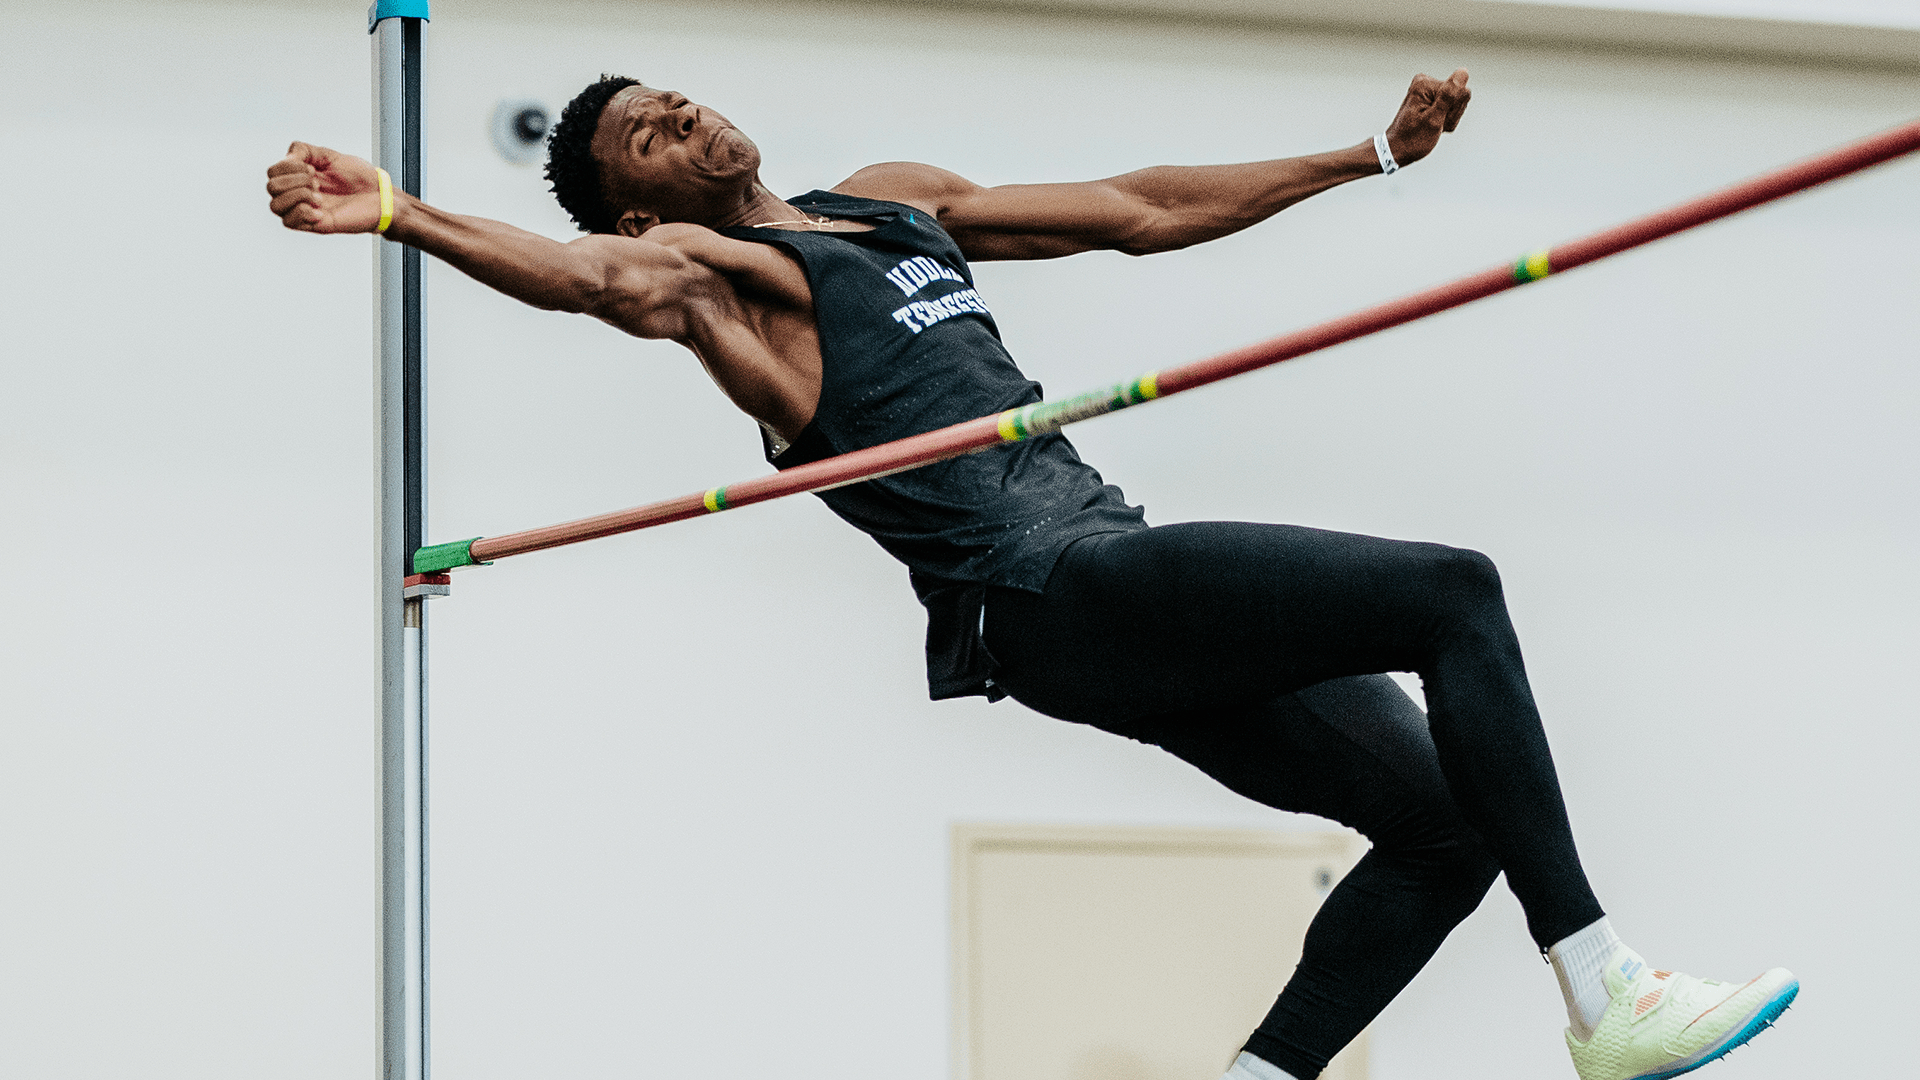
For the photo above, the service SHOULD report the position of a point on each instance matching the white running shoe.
(1662, 1023)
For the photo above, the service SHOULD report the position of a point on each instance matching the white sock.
(1248, 1067)
(1580, 962)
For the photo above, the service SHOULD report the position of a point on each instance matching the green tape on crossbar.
(437, 557)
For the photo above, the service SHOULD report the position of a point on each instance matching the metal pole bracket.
(418, 585)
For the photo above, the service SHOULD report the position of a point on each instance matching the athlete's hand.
(1431, 108)
(318, 190)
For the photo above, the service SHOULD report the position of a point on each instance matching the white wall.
(689, 797)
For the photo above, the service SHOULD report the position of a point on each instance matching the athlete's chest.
(863, 316)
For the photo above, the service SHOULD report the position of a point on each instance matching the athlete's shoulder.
(661, 245)
(925, 187)
(688, 238)
(715, 251)
(679, 262)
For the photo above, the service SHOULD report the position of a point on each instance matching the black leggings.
(1253, 652)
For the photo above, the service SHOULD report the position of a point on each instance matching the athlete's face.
(663, 158)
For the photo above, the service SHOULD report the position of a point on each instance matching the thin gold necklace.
(820, 224)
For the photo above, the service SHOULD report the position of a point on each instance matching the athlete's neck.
(757, 205)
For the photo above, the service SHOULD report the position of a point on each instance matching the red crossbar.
(987, 431)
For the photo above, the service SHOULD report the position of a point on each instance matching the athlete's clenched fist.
(1431, 107)
(318, 190)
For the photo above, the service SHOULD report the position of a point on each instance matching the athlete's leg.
(1355, 750)
(1139, 632)
(1208, 615)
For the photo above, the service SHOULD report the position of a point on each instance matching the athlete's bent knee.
(1463, 575)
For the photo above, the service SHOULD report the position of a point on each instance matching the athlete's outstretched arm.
(1157, 209)
(636, 284)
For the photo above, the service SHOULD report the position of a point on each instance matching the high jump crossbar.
(1044, 418)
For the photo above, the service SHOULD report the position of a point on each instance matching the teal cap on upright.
(395, 9)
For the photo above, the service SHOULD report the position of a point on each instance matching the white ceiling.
(1891, 13)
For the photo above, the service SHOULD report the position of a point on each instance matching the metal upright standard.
(397, 27)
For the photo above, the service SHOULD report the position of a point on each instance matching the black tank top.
(907, 346)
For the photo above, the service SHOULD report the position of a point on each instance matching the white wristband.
(1388, 166)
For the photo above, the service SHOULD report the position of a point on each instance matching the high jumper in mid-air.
(846, 318)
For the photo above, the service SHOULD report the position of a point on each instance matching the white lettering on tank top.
(921, 314)
(917, 273)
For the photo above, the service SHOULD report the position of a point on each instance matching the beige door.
(1089, 953)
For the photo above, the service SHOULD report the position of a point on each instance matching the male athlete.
(847, 318)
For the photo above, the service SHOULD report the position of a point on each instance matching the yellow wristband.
(386, 201)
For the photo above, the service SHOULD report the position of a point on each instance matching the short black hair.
(571, 167)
